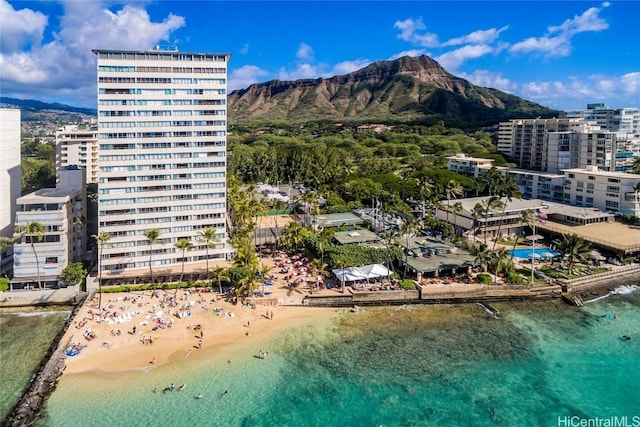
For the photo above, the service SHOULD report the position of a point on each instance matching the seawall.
(28, 408)
(441, 295)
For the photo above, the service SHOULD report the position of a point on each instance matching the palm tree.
(501, 262)
(408, 229)
(635, 167)
(426, 190)
(452, 191)
(490, 205)
(35, 231)
(219, 274)
(318, 268)
(483, 256)
(574, 248)
(457, 209)
(153, 236)
(390, 238)
(184, 245)
(293, 236)
(263, 271)
(494, 180)
(277, 205)
(527, 217)
(508, 190)
(208, 236)
(102, 239)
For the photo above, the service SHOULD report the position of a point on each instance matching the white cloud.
(453, 59)
(576, 92)
(245, 76)
(486, 78)
(347, 67)
(66, 64)
(409, 32)
(302, 71)
(411, 52)
(477, 37)
(19, 28)
(557, 41)
(304, 52)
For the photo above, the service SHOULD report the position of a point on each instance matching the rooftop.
(337, 219)
(356, 236)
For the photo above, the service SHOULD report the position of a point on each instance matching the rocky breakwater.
(28, 408)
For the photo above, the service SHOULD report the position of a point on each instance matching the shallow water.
(398, 366)
(25, 337)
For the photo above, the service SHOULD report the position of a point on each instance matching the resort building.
(10, 176)
(537, 185)
(583, 146)
(625, 120)
(61, 211)
(77, 145)
(526, 139)
(610, 191)
(162, 126)
(468, 166)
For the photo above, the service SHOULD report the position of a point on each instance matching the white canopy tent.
(366, 272)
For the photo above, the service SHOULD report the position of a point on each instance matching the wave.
(42, 313)
(620, 290)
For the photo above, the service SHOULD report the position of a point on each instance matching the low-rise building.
(611, 191)
(62, 212)
(468, 166)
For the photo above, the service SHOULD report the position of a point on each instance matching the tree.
(102, 240)
(490, 205)
(277, 205)
(527, 217)
(263, 271)
(73, 274)
(35, 231)
(501, 263)
(635, 167)
(219, 274)
(184, 245)
(452, 191)
(294, 236)
(574, 248)
(153, 236)
(483, 256)
(508, 190)
(457, 209)
(208, 236)
(408, 229)
(318, 269)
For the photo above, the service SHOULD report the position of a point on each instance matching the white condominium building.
(162, 123)
(78, 146)
(10, 175)
(61, 211)
(610, 191)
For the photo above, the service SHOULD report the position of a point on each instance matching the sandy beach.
(137, 330)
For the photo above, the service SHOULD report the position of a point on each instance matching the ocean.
(538, 364)
(25, 336)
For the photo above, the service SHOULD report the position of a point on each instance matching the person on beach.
(199, 396)
(225, 393)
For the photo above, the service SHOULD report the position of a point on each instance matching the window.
(51, 260)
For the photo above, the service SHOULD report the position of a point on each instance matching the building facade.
(78, 145)
(468, 166)
(162, 123)
(61, 211)
(609, 191)
(10, 180)
(526, 140)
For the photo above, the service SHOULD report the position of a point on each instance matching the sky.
(561, 54)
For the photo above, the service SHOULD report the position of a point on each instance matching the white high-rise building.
(10, 175)
(61, 211)
(162, 123)
(78, 146)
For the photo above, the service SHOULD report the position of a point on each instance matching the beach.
(138, 331)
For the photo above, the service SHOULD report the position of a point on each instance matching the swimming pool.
(535, 253)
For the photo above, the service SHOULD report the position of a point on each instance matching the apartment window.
(51, 260)
(591, 178)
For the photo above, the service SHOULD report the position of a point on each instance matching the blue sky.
(560, 54)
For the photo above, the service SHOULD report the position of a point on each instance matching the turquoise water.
(390, 366)
(527, 253)
(25, 337)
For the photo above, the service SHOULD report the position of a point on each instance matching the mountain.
(408, 89)
(37, 110)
